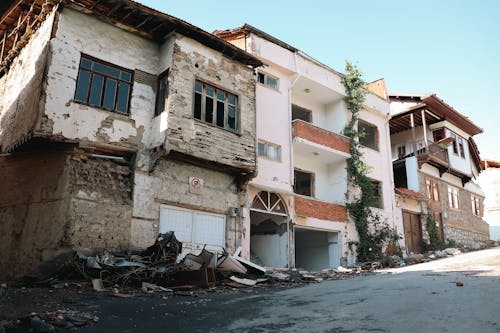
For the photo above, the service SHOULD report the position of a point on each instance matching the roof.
(437, 110)
(410, 194)
(126, 14)
(486, 164)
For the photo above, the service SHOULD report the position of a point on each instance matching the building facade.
(489, 180)
(118, 122)
(298, 216)
(435, 162)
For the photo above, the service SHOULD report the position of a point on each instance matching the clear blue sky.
(450, 47)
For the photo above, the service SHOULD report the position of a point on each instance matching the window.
(161, 93)
(304, 183)
(301, 113)
(461, 147)
(476, 204)
(432, 189)
(455, 145)
(269, 150)
(215, 106)
(377, 194)
(438, 134)
(369, 138)
(267, 80)
(401, 151)
(103, 85)
(453, 197)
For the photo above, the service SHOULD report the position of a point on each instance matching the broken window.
(161, 93)
(103, 85)
(453, 197)
(215, 106)
(377, 194)
(267, 80)
(269, 150)
(301, 113)
(369, 136)
(432, 189)
(438, 134)
(304, 183)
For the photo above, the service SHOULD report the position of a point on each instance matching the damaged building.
(436, 162)
(118, 122)
(298, 214)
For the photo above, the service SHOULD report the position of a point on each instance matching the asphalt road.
(419, 298)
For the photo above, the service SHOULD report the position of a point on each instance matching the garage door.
(194, 229)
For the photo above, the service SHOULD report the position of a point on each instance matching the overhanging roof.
(126, 14)
(437, 110)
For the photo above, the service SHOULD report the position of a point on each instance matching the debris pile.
(51, 321)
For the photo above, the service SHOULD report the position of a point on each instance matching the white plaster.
(411, 165)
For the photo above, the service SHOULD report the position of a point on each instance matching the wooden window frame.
(401, 151)
(455, 143)
(227, 104)
(265, 76)
(268, 144)
(453, 197)
(432, 187)
(106, 77)
(461, 149)
(476, 205)
(162, 77)
(439, 131)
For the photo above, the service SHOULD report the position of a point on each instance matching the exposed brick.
(320, 209)
(320, 136)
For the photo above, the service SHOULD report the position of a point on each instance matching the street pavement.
(418, 298)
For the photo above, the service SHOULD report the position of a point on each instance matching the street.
(418, 298)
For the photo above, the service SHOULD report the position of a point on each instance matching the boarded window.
(103, 85)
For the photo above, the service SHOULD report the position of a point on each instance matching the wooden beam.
(4, 41)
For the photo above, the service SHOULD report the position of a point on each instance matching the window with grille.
(103, 85)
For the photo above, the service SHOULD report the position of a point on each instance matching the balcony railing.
(309, 132)
(432, 152)
(310, 207)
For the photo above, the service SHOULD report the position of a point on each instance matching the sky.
(447, 47)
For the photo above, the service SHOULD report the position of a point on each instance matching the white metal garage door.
(193, 228)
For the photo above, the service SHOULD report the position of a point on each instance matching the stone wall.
(33, 205)
(191, 61)
(460, 225)
(53, 202)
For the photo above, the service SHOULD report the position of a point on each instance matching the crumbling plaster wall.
(79, 33)
(168, 184)
(52, 202)
(20, 89)
(191, 61)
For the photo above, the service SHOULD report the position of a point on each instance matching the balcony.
(310, 207)
(327, 146)
(433, 154)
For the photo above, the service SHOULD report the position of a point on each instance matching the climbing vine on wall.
(373, 233)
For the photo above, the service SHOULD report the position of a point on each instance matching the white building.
(298, 216)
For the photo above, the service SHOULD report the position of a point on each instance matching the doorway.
(316, 250)
(269, 231)
(413, 232)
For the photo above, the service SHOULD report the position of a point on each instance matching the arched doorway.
(269, 230)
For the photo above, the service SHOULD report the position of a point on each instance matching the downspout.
(290, 142)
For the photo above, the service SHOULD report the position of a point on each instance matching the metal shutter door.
(179, 221)
(209, 229)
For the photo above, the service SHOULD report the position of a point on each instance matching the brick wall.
(320, 209)
(320, 136)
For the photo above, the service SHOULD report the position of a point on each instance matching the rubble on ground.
(50, 321)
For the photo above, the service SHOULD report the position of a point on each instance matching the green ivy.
(435, 242)
(371, 239)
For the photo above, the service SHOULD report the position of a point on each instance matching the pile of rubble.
(50, 321)
(416, 258)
